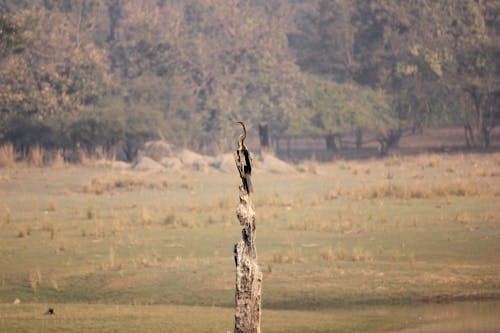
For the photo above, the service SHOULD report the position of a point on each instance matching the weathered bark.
(248, 274)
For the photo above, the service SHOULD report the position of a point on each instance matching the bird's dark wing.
(248, 170)
(244, 166)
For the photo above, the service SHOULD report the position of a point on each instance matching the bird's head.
(244, 135)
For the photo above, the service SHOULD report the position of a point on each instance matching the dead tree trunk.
(248, 274)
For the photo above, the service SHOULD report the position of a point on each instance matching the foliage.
(10, 37)
(313, 67)
(25, 133)
(438, 60)
(249, 75)
(59, 71)
(335, 108)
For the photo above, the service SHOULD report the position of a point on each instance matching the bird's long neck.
(242, 137)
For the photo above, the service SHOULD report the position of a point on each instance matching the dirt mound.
(194, 161)
(120, 165)
(156, 150)
(273, 164)
(148, 164)
(224, 163)
(159, 156)
(263, 163)
(172, 163)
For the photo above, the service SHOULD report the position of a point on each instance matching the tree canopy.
(184, 70)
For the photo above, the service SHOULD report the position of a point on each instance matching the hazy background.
(344, 73)
(118, 191)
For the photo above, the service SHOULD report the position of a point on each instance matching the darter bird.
(244, 162)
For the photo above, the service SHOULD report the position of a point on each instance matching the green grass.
(334, 246)
(169, 318)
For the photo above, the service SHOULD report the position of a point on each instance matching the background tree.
(189, 68)
(60, 69)
(332, 110)
(249, 75)
(423, 54)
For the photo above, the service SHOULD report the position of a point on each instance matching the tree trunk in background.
(469, 137)
(248, 274)
(388, 140)
(485, 131)
(359, 138)
(264, 136)
(478, 130)
(114, 15)
(288, 149)
(330, 142)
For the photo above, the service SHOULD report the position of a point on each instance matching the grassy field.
(344, 247)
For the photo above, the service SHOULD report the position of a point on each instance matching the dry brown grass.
(47, 224)
(122, 181)
(101, 155)
(310, 166)
(361, 254)
(333, 194)
(53, 281)
(7, 155)
(176, 222)
(396, 255)
(340, 252)
(146, 260)
(35, 280)
(393, 161)
(311, 225)
(345, 222)
(293, 256)
(432, 160)
(52, 206)
(327, 254)
(145, 216)
(36, 156)
(277, 258)
(7, 217)
(90, 211)
(422, 191)
(84, 157)
(225, 203)
(57, 160)
(112, 257)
